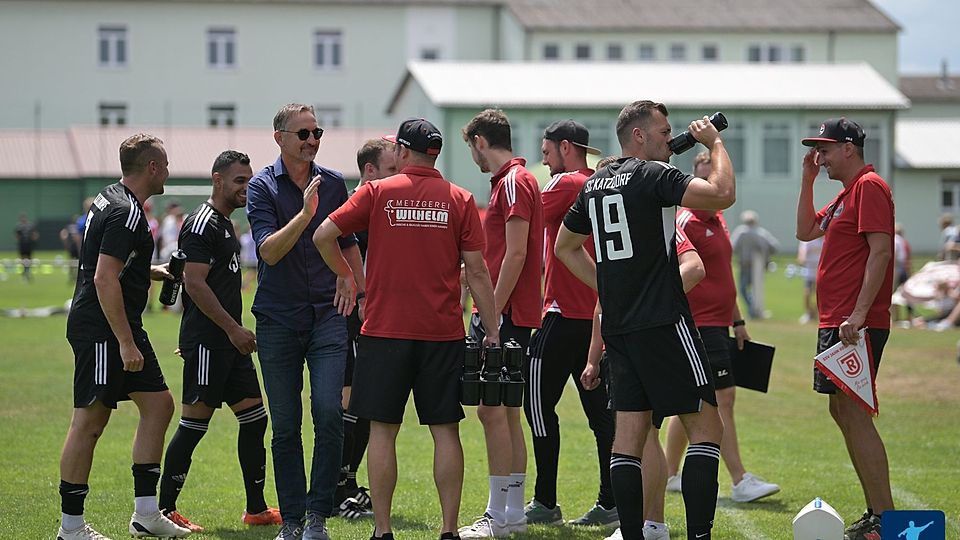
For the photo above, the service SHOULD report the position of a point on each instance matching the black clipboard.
(752, 365)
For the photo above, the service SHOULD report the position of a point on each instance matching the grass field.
(786, 436)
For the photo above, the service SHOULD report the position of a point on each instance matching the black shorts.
(716, 340)
(215, 376)
(828, 337)
(98, 372)
(388, 369)
(663, 369)
(508, 331)
(353, 333)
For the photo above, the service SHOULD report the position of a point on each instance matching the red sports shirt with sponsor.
(418, 224)
(713, 299)
(563, 292)
(866, 206)
(514, 192)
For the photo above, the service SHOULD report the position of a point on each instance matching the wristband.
(739, 322)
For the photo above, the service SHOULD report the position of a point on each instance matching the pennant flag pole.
(852, 369)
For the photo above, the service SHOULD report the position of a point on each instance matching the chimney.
(945, 83)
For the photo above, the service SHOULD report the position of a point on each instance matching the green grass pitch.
(786, 436)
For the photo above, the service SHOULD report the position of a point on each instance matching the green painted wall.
(917, 199)
(932, 111)
(773, 196)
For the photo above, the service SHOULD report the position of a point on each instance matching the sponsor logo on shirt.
(709, 233)
(838, 211)
(417, 213)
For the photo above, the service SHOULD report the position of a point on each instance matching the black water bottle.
(470, 380)
(685, 141)
(511, 377)
(171, 287)
(490, 377)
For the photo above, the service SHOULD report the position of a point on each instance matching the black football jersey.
(630, 207)
(115, 226)
(207, 237)
(363, 237)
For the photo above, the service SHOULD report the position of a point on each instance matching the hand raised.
(810, 166)
(704, 132)
(310, 198)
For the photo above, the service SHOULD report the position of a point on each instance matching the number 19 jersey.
(629, 208)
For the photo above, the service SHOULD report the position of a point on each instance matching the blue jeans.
(282, 353)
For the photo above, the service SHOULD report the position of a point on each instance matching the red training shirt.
(713, 299)
(866, 206)
(563, 292)
(514, 192)
(418, 223)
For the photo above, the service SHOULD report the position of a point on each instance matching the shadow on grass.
(765, 505)
(562, 532)
(242, 534)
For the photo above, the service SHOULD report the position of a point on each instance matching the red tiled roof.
(91, 152)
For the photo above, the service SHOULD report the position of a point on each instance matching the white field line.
(742, 521)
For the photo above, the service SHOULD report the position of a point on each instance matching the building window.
(647, 52)
(754, 53)
(678, 52)
(583, 51)
(328, 49)
(950, 196)
(735, 143)
(222, 115)
(113, 114)
(710, 53)
(112, 46)
(430, 54)
(615, 52)
(328, 116)
(798, 54)
(775, 53)
(776, 148)
(221, 48)
(600, 137)
(551, 51)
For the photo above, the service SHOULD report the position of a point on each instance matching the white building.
(234, 62)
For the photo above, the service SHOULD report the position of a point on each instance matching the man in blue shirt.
(297, 319)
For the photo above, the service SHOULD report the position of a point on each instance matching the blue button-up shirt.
(298, 291)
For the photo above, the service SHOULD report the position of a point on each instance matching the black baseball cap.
(418, 135)
(837, 130)
(570, 130)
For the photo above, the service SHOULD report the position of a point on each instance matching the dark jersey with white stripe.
(207, 237)
(629, 208)
(115, 226)
(363, 237)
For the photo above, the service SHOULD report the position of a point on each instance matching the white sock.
(145, 506)
(515, 497)
(654, 524)
(497, 501)
(71, 523)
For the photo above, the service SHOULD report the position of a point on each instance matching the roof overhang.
(613, 84)
(927, 144)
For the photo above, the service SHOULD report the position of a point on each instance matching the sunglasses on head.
(304, 134)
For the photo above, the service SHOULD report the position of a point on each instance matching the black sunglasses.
(304, 134)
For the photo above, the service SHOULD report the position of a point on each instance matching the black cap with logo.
(418, 135)
(837, 130)
(573, 131)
